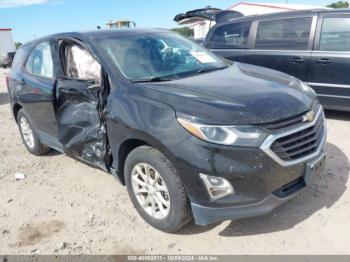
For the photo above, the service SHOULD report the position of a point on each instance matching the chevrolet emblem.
(309, 117)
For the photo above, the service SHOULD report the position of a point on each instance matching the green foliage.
(184, 31)
(339, 4)
(18, 44)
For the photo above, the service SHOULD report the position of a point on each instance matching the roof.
(290, 13)
(249, 9)
(274, 6)
(94, 34)
(121, 31)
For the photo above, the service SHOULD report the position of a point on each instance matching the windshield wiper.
(152, 79)
(166, 78)
(210, 69)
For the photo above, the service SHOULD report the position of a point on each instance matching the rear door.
(329, 74)
(230, 40)
(80, 104)
(36, 89)
(284, 44)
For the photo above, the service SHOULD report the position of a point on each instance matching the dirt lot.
(66, 207)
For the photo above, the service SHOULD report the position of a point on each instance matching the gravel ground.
(65, 207)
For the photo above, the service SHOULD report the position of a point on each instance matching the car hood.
(240, 94)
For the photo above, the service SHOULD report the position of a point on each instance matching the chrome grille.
(285, 122)
(303, 142)
(291, 121)
(299, 144)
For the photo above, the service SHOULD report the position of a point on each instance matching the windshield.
(157, 56)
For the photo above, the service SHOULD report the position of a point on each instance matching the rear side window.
(230, 36)
(285, 34)
(335, 34)
(40, 61)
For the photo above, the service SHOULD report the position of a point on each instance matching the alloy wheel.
(150, 190)
(27, 132)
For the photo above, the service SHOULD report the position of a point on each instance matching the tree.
(339, 4)
(18, 44)
(184, 31)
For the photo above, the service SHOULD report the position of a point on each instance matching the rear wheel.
(156, 190)
(29, 136)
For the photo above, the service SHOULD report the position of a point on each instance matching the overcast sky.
(33, 18)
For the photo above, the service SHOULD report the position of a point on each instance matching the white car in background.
(6, 59)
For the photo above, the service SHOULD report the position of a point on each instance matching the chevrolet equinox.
(192, 136)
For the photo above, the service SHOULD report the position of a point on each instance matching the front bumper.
(204, 215)
(259, 180)
(209, 215)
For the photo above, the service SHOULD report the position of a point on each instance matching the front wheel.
(156, 190)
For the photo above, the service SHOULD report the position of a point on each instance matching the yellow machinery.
(121, 24)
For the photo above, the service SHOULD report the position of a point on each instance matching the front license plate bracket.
(314, 169)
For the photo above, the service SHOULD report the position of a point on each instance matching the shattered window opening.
(81, 64)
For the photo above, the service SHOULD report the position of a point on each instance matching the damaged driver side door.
(79, 106)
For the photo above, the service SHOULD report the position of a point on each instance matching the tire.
(178, 214)
(33, 144)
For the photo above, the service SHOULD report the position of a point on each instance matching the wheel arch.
(15, 109)
(129, 145)
(124, 150)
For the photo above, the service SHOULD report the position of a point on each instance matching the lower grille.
(290, 188)
(299, 144)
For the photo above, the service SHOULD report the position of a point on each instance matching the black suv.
(313, 46)
(189, 134)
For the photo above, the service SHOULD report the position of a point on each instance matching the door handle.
(298, 60)
(70, 92)
(94, 87)
(324, 61)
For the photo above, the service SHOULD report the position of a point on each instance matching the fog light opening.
(217, 187)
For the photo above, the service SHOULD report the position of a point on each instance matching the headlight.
(302, 86)
(245, 136)
(306, 88)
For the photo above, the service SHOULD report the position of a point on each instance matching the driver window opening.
(80, 64)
